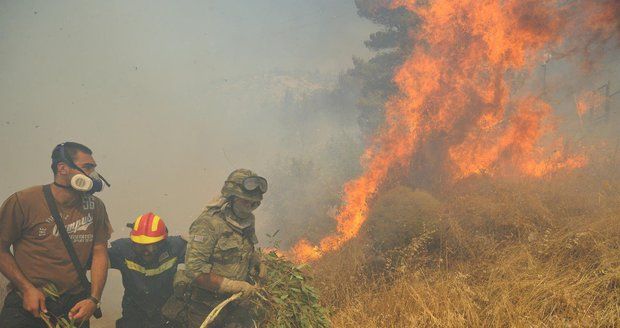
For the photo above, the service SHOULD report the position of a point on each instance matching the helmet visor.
(255, 183)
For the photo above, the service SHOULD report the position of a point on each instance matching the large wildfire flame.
(455, 87)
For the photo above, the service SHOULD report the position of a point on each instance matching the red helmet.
(148, 229)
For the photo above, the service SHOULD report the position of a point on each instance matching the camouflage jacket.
(217, 245)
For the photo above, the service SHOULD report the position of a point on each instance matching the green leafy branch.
(286, 298)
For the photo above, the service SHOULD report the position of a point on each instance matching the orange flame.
(455, 87)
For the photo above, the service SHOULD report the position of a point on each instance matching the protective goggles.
(253, 183)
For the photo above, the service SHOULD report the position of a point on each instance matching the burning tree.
(448, 108)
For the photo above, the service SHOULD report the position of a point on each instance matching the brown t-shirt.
(27, 223)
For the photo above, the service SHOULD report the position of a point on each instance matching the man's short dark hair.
(70, 149)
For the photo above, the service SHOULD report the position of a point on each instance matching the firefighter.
(147, 261)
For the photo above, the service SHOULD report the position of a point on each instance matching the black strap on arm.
(51, 203)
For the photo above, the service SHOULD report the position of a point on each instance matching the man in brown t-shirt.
(39, 257)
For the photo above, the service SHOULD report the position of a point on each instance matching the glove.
(229, 286)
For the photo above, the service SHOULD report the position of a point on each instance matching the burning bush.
(508, 255)
(401, 214)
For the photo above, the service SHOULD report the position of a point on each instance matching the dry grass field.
(488, 253)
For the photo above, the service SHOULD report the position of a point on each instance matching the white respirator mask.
(85, 183)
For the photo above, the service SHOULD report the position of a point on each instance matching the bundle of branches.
(52, 321)
(286, 298)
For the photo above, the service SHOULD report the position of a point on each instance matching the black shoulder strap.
(51, 203)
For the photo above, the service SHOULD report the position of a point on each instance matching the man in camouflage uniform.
(220, 254)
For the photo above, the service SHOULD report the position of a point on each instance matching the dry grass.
(498, 254)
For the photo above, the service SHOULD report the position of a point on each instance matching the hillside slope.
(496, 254)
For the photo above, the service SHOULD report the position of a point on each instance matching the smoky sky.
(170, 95)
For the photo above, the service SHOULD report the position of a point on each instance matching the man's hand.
(34, 301)
(230, 286)
(83, 310)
